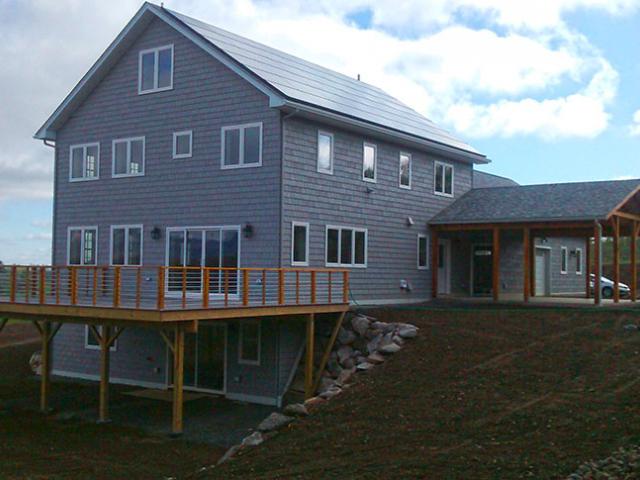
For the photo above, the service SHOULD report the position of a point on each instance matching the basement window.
(249, 342)
(91, 342)
(155, 70)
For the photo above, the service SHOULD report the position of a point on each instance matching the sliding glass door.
(204, 247)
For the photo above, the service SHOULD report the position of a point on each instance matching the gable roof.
(288, 81)
(538, 203)
(489, 180)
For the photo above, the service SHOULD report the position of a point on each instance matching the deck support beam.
(47, 332)
(308, 364)
(526, 258)
(105, 363)
(435, 255)
(496, 264)
(616, 258)
(327, 352)
(178, 381)
(597, 263)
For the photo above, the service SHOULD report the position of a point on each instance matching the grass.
(479, 394)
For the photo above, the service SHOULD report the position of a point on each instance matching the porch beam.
(327, 351)
(308, 364)
(539, 225)
(526, 246)
(435, 248)
(597, 264)
(178, 381)
(628, 216)
(616, 258)
(588, 268)
(634, 260)
(105, 364)
(496, 264)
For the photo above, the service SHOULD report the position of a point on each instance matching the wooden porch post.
(496, 264)
(45, 367)
(435, 250)
(105, 359)
(616, 258)
(634, 265)
(526, 246)
(308, 364)
(588, 268)
(597, 263)
(178, 380)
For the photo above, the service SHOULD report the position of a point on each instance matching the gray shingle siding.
(342, 199)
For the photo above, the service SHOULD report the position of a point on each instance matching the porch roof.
(560, 202)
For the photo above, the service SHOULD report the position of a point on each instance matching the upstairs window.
(405, 170)
(443, 181)
(299, 244)
(369, 162)
(423, 252)
(82, 245)
(182, 144)
(325, 153)
(155, 70)
(84, 162)
(126, 245)
(242, 146)
(128, 157)
(564, 260)
(346, 247)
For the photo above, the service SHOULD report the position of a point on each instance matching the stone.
(334, 368)
(360, 359)
(35, 362)
(313, 402)
(253, 440)
(348, 364)
(330, 393)
(629, 327)
(274, 422)
(408, 331)
(375, 358)
(372, 333)
(360, 324)
(296, 409)
(344, 352)
(364, 366)
(386, 340)
(345, 376)
(325, 384)
(383, 326)
(346, 337)
(230, 453)
(374, 344)
(398, 340)
(390, 348)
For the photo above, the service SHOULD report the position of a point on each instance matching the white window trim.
(126, 244)
(84, 147)
(375, 162)
(175, 144)
(155, 70)
(82, 229)
(241, 163)
(306, 244)
(128, 140)
(353, 246)
(425, 236)
(331, 154)
(436, 164)
(88, 346)
(564, 253)
(242, 361)
(406, 187)
(579, 264)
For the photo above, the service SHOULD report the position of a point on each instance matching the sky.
(548, 90)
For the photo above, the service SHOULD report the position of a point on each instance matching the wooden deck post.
(634, 260)
(45, 366)
(597, 263)
(105, 363)
(496, 264)
(308, 365)
(435, 250)
(526, 246)
(616, 258)
(178, 381)
(588, 268)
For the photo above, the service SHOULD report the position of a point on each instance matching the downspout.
(53, 203)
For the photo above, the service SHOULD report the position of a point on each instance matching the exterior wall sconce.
(156, 233)
(410, 222)
(247, 230)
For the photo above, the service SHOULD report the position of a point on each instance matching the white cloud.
(634, 128)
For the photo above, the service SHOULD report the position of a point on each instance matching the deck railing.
(171, 288)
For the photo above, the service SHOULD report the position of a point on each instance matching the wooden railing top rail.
(151, 267)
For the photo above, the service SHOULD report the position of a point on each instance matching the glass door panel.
(211, 357)
(212, 259)
(194, 259)
(176, 259)
(229, 258)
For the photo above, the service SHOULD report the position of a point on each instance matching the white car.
(606, 286)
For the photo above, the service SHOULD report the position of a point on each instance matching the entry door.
(205, 359)
(444, 267)
(543, 271)
(482, 269)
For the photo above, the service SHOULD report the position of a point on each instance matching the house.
(193, 166)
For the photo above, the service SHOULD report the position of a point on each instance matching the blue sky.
(547, 90)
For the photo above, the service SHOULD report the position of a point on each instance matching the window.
(155, 70)
(299, 244)
(84, 161)
(563, 259)
(128, 157)
(249, 342)
(325, 152)
(578, 261)
(182, 144)
(126, 245)
(90, 341)
(443, 179)
(82, 245)
(346, 247)
(369, 162)
(423, 252)
(405, 170)
(242, 146)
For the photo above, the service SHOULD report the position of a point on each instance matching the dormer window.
(155, 70)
